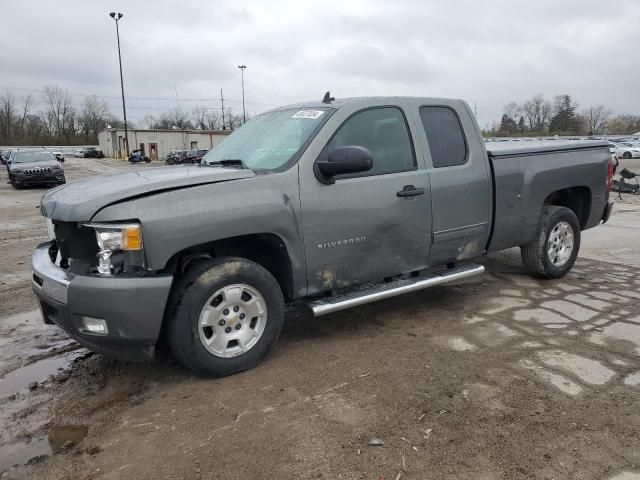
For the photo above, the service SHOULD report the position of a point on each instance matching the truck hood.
(79, 201)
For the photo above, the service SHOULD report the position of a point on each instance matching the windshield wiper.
(231, 162)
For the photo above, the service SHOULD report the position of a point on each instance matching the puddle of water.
(64, 437)
(19, 379)
(21, 453)
(58, 439)
(7, 323)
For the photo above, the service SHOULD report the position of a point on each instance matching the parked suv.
(176, 157)
(92, 152)
(195, 155)
(34, 167)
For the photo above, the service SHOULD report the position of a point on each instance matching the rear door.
(461, 189)
(363, 227)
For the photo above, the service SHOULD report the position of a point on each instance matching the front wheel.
(626, 155)
(555, 245)
(226, 315)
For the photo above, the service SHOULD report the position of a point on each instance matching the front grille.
(37, 171)
(77, 245)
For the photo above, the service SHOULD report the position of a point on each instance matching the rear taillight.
(610, 175)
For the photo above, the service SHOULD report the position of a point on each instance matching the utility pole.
(475, 108)
(175, 87)
(222, 108)
(244, 113)
(124, 108)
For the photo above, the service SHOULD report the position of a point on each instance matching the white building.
(157, 144)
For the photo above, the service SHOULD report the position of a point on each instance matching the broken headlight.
(120, 247)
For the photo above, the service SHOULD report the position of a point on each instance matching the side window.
(446, 139)
(384, 132)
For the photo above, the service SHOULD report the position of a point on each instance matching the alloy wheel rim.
(232, 320)
(560, 244)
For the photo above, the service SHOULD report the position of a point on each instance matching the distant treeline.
(53, 118)
(539, 116)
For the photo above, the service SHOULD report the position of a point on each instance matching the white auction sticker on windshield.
(311, 114)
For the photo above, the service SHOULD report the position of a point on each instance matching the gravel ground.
(501, 377)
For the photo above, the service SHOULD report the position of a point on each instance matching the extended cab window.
(446, 139)
(384, 132)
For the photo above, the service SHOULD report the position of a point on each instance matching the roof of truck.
(341, 102)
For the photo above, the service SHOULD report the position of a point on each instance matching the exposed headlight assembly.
(120, 247)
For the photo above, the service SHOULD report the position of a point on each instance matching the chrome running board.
(373, 293)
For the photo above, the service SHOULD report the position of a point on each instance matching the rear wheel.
(555, 245)
(227, 314)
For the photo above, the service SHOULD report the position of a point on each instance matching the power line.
(150, 99)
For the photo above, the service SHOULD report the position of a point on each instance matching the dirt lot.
(501, 377)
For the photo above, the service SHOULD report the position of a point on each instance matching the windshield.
(26, 157)
(270, 140)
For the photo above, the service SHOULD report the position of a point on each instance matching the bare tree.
(597, 118)
(233, 121)
(206, 118)
(7, 115)
(148, 121)
(93, 117)
(27, 105)
(513, 111)
(537, 112)
(59, 112)
(179, 118)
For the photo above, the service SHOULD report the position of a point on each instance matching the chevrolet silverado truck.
(329, 204)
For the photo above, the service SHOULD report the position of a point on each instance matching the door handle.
(411, 191)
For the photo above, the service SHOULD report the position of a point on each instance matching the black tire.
(626, 155)
(534, 254)
(147, 159)
(194, 290)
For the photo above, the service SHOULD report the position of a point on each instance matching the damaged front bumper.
(130, 308)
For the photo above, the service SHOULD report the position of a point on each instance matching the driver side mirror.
(345, 160)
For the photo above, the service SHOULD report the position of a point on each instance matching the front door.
(366, 227)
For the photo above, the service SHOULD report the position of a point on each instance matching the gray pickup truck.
(329, 204)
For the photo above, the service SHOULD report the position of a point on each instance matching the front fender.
(173, 221)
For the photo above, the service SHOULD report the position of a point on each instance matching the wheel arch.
(266, 249)
(577, 199)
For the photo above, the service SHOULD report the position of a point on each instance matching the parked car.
(4, 156)
(328, 205)
(627, 150)
(176, 157)
(92, 152)
(78, 153)
(34, 167)
(59, 156)
(195, 155)
(137, 156)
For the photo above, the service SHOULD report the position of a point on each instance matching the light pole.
(117, 18)
(244, 114)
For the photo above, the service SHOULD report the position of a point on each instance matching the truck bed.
(528, 147)
(525, 174)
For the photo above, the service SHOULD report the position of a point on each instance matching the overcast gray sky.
(490, 52)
